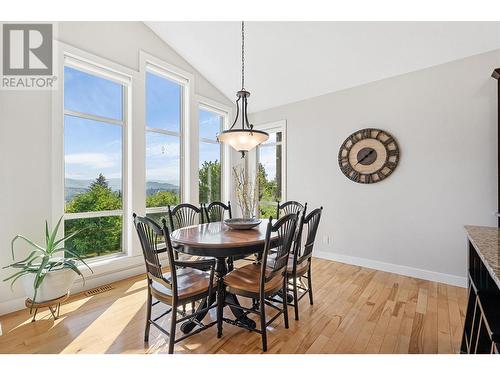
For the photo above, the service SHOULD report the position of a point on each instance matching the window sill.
(110, 264)
(104, 259)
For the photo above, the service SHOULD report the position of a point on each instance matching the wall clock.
(368, 156)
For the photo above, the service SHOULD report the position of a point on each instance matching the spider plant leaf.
(15, 279)
(74, 268)
(23, 262)
(28, 241)
(26, 266)
(78, 272)
(39, 279)
(30, 263)
(75, 255)
(47, 236)
(15, 274)
(40, 275)
(56, 262)
(68, 237)
(54, 233)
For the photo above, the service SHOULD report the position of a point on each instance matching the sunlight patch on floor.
(103, 331)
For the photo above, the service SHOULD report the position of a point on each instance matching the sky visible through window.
(163, 113)
(163, 103)
(210, 126)
(162, 158)
(91, 147)
(95, 147)
(90, 94)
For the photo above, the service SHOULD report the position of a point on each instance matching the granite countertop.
(486, 241)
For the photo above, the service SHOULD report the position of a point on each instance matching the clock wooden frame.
(368, 155)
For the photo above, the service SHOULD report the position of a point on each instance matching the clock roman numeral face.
(394, 153)
(368, 155)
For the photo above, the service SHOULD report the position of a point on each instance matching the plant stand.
(54, 305)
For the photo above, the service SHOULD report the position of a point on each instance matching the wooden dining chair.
(184, 215)
(261, 282)
(299, 263)
(289, 207)
(183, 284)
(216, 211)
(181, 216)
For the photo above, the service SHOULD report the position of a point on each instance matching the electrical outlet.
(326, 240)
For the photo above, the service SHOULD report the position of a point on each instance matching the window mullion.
(68, 112)
(208, 140)
(92, 214)
(163, 131)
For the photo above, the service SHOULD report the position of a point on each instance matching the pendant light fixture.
(244, 138)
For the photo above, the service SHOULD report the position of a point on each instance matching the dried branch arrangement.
(246, 192)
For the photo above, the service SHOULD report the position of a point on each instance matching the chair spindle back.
(184, 215)
(215, 211)
(290, 207)
(281, 245)
(152, 237)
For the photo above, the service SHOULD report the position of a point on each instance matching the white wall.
(25, 138)
(444, 119)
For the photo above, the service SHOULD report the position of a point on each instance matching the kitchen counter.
(482, 320)
(486, 241)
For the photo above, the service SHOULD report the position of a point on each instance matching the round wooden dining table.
(219, 241)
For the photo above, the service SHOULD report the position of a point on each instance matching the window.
(164, 117)
(270, 171)
(209, 176)
(94, 128)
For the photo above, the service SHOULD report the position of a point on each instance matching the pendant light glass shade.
(243, 140)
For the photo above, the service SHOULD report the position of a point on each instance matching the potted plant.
(48, 272)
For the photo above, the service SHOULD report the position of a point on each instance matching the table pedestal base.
(241, 318)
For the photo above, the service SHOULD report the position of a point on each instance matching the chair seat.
(191, 257)
(194, 258)
(190, 282)
(301, 267)
(245, 281)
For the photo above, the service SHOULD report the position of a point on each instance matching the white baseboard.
(394, 268)
(12, 305)
(91, 282)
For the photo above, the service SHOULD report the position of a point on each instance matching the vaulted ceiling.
(291, 61)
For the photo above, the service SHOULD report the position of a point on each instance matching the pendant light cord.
(242, 54)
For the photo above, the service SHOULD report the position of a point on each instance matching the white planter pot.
(54, 285)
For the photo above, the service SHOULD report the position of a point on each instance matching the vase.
(55, 284)
(246, 214)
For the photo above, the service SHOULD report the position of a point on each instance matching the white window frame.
(210, 105)
(97, 66)
(152, 64)
(274, 127)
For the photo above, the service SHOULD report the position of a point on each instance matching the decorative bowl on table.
(242, 223)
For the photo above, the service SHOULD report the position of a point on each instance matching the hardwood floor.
(356, 310)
